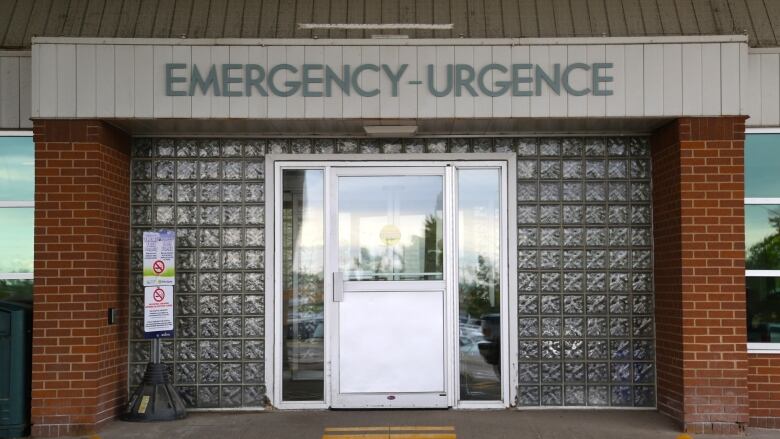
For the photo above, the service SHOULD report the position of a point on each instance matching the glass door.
(388, 251)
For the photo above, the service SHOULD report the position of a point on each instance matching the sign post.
(156, 399)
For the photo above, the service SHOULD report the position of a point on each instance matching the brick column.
(698, 186)
(82, 230)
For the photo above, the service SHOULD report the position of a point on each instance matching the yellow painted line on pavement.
(391, 436)
(390, 432)
(425, 428)
(330, 429)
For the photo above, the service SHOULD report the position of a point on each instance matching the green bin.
(15, 342)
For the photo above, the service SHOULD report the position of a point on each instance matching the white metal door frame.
(504, 162)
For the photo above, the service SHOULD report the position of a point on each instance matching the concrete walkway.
(555, 424)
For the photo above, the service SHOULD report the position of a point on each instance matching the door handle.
(338, 286)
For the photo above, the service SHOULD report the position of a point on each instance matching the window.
(17, 185)
(762, 240)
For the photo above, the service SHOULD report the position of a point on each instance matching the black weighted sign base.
(155, 399)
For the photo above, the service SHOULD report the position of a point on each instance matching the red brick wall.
(764, 390)
(82, 229)
(698, 187)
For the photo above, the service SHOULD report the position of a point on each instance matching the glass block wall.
(585, 305)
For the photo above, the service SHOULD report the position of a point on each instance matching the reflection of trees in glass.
(766, 254)
(477, 288)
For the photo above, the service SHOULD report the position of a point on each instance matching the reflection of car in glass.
(304, 347)
(479, 378)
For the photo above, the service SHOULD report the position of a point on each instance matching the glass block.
(640, 237)
(573, 349)
(141, 351)
(598, 372)
(595, 214)
(231, 327)
(528, 349)
(618, 191)
(550, 214)
(573, 304)
(598, 395)
(253, 327)
(141, 215)
(595, 146)
(549, 191)
(231, 259)
(595, 169)
(232, 170)
(640, 168)
(208, 396)
(616, 146)
(186, 373)
(597, 327)
(643, 326)
(163, 215)
(550, 259)
(503, 145)
(136, 373)
(369, 146)
(210, 215)
(208, 350)
(231, 395)
(574, 395)
(526, 191)
(620, 349)
(549, 147)
(231, 192)
(528, 373)
(644, 373)
(141, 170)
(595, 259)
(325, 146)
(253, 373)
(528, 395)
(640, 191)
(527, 169)
(255, 214)
(618, 259)
(572, 191)
(208, 148)
(551, 349)
(232, 148)
(528, 304)
(185, 259)
(572, 259)
(254, 350)
(528, 327)
(254, 396)
(231, 215)
(550, 237)
(437, 146)
(596, 237)
(414, 146)
(573, 327)
(527, 214)
(137, 306)
(551, 282)
(253, 281)
(208, 282)
(640, 214)
(640, 259)
(346, 146)
(641, 282)
(552, 396)
(279, 146)
(210, 192)
(231, 282)
(618, 236)
(165, 169)
(643, 304)
(527, 237)
(596, 282)
(527, 259)
(573, 282)
(141, 192)
(482, 144)
(575, 372)
(186, 327)
(208, 259)
(551, 304)
(618, 214)
(255, 237)
(231, 350)
(300, 146)
(595, 192)
(597, 349)
(552, 372)
(208, 327)
(186, 282)
(551, 327)
(617, 169)
(572, 237)
(208, 237)
(526, 146)
(621, 396)
(254, 192)
(186, 192)
(254, 259)
(618, 327)
(208, 170)
(187, 305)
(231, 304)
(550, 169)
(459, 145)
(254, 170)
(644, 396)
(572, 169)
(572, 146)
(618, 304)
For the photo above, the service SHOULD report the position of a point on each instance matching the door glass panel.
(302, 285)
(479, 244)
(390, 227)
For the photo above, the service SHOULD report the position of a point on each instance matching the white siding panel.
(25, 99)
(654, 79)
(521, 105)
(426, 107)
(313, 106)
(9, 92)
(163, 105)
(755, 93)
(559, 102)
(540, 105)
(743, 78)
(48, 80)
(408, 91)
(502, 105)
(86, 87)
(35, 105)
(182, 105)
(691, 79)
(258, 104)
(369, 81)
(615, 104)
(464, 100)
(710, 73)
(672, 80)
(220, 105)
(770, 89)
(578, 79)
(143, 80)
(730, 73)
(239, 105)
(445, 106)
(104, 77)
(635, 80)
(66, 80)
(597, 105)
(389, 105)
(124, 72)
(277, 106)
(483, 104)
